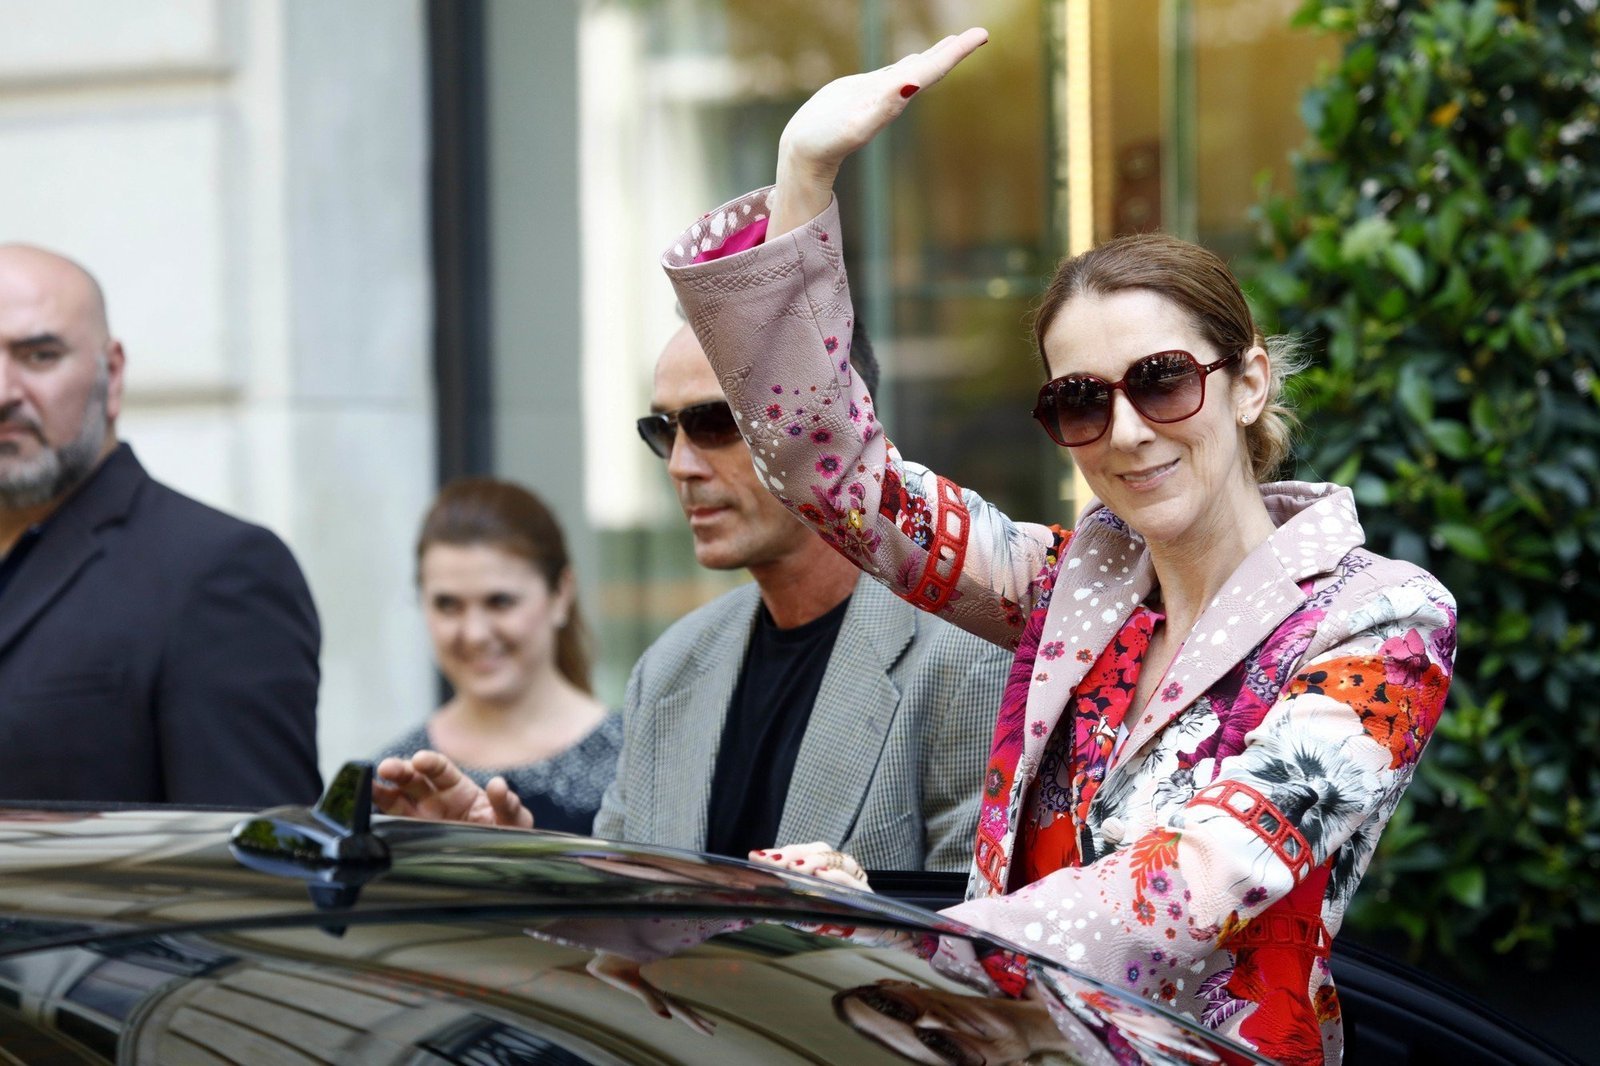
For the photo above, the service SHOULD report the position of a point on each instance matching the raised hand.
(842, 117)
(428, 785)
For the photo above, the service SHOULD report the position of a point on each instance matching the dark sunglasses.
(709, 425)
(886, 1003)
(1164, 387)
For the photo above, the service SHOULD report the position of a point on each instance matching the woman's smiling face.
(1174, 483)
(493, 618)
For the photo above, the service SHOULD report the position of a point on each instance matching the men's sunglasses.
(1164, 387)
(708, 425)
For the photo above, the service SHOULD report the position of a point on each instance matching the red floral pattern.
(1398, 700)
(1075, 764)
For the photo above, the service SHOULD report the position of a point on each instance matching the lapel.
(850, 721)
(1224, 634)
(70, 542)
(1313, 535)
(688, 721)
(1106, 574)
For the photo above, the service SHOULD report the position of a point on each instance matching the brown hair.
(1201, 284)
(483, 510)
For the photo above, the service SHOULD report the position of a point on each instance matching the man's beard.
(56, 471)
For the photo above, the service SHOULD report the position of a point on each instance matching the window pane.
(1250, 71)
(967, 199)
(947, 233)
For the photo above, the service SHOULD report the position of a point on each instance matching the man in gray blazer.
(811, 704)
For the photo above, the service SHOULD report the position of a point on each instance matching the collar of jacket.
(844, 737)
(1106, 572)
(70, 539)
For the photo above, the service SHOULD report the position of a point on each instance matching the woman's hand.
(428, 785)
(843, 116)
(818, 860)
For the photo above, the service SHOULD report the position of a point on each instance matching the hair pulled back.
(1203, 287)
(506, 516)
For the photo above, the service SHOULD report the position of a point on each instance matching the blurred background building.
(357, 248)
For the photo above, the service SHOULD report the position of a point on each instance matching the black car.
(324, 935)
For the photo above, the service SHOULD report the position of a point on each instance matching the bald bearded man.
(152, 649)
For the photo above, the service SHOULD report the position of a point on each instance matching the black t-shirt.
(767, 719)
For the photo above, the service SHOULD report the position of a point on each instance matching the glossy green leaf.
(1467, 885)
(1451, 438)
(1407, 265)
(1464, 540)
(1366, 240)
(1415, 393)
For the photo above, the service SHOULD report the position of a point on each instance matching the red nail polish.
(908, 91)
(778, 856)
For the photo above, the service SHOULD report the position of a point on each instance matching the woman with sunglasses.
(1218, 695)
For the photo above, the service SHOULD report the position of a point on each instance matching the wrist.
(804, 190)
(805, 171)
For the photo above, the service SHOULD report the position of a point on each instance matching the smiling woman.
(500, 601)
(1218, 694)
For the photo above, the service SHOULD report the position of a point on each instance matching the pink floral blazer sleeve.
(775, 321)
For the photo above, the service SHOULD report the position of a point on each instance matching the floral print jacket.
(1201, 850)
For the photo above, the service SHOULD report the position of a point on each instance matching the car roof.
(155, 930)
(172, 869)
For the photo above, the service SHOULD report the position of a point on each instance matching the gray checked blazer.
(892, 759)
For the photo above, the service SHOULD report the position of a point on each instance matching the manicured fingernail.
(778, 855)
(908, 91)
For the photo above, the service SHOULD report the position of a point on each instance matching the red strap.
(948, 552)
(990, 859)
(1267, 822)
(1285, 930)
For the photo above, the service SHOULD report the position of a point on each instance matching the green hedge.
(1442, 248)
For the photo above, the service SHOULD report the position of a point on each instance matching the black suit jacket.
(153, 649)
